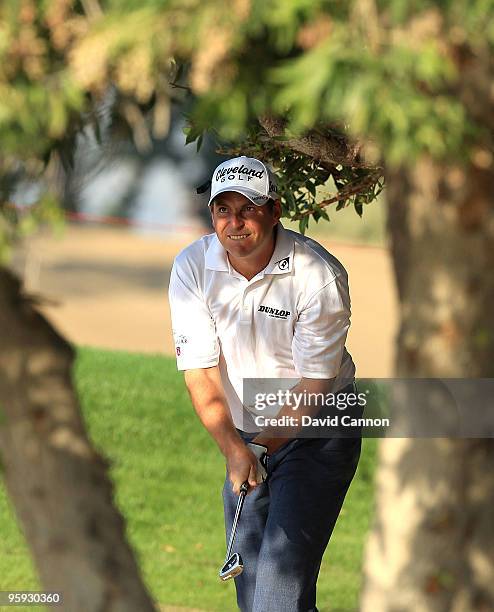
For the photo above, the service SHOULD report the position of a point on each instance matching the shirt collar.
(281, 261)
(216, 258)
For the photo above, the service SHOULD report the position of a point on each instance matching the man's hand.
(261, 452)
(241, 464)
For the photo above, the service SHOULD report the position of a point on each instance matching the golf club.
(234, 565)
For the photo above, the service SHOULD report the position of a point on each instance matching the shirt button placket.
(245, 337)
(245, 313)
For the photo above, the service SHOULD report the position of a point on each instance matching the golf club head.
(233, 567)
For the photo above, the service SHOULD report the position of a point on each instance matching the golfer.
(256, 302)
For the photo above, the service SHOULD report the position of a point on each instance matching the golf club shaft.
(240, 503)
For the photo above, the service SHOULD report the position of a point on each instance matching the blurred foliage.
(404, 78)
(302, 179)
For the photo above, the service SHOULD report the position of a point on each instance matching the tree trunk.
(432, 546)
(57, 482)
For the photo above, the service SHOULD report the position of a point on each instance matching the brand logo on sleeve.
(180, 340)
(274, 313)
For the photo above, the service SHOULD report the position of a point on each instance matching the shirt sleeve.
(321, 330)
(194, 332)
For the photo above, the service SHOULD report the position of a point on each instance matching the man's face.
(244, 229)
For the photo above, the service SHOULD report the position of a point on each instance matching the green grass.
(168, 476)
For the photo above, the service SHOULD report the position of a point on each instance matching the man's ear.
(277, 210)
(211, 206)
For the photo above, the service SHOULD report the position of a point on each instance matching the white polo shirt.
(289, 321)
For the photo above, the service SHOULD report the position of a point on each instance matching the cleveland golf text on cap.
(247, 176)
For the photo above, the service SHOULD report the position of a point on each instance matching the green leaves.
(391, 77)
(303, 224)
(408, 76)
(192, 133)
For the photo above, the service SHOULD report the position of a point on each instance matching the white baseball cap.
(245, 175)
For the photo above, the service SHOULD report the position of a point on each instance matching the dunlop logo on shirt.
(274, 312)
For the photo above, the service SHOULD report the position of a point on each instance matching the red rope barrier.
(118, 221)
(124, 221)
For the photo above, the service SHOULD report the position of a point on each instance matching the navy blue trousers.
(287, 521)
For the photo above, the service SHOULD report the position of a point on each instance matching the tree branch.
(349, 191)
(327, 149)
